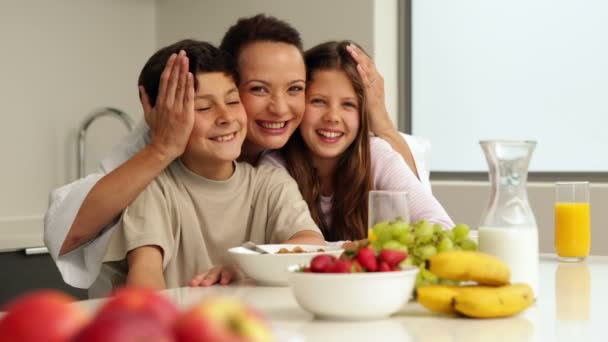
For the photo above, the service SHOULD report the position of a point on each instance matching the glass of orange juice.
(572, 220)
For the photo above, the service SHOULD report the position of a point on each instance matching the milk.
(518, 248)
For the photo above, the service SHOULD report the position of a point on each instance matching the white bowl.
(271, 269)
(352, 296)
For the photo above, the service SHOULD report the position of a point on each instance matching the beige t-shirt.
(194, 220)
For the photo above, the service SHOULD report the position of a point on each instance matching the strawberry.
(341, 266)
(392, 257)
(384, 267)
(322, 263)
(367, 258)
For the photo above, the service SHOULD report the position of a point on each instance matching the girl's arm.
(171, 122)
(146, 268)
(380, 122)
(306, 237)
(389, 172)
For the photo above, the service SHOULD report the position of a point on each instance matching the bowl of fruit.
(359, 285)
(269, 266)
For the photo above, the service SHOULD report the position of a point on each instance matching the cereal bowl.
(271, 269)
(352, 296)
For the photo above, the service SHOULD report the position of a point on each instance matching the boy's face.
(220, 122)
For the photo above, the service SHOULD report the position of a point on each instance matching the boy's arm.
(171, 121)
(306, 237)
(146, 268)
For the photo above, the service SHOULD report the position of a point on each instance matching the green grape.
(377, 245)
(448, 282)
(468, 245)
(426, 251)
(445, 245)
(461, 231)
(395, 245)
(424, 233)
(437, 228)
(382, 231)
(406, 238)
(429, 276)
(409, 261)
(448, 234)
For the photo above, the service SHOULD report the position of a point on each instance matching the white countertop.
(572, 306)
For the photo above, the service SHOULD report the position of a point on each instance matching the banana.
(489, 302)
(479, 267)
(437, 298)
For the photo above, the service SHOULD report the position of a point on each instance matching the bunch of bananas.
(493, 296)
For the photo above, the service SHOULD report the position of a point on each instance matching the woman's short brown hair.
(259, 28)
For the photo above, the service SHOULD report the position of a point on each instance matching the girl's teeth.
(330, 135)
(225, 137)
(274, 125)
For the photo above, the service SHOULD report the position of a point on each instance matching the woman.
(272, 72)
(334, 160)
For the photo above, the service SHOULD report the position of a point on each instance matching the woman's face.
(331, 121)
(273, 78)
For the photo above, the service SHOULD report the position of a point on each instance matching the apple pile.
(358, 258)
(129, 315)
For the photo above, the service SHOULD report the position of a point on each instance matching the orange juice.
(572, 229)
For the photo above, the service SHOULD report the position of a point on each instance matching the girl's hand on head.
(373, 84)
(223, 275)
(172, 117)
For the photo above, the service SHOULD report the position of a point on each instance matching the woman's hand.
(373, 84)
(223, 275)
(172, 117)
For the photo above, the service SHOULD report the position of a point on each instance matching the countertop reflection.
(571, 306)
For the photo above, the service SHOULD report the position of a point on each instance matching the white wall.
(371, 23)
(60, 60)
(467, 201)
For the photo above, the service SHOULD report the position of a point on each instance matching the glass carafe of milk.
(508, 229)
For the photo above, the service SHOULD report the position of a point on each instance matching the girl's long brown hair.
(352, 177)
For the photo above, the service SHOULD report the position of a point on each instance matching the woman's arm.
(380, 122)
(171, 122)
(146, 268)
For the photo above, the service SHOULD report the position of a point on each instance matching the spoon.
(253, 247)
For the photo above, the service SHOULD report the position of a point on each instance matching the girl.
(333, 158)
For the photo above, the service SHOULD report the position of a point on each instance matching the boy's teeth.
(273, 125)
(226, 137)
(330, 135)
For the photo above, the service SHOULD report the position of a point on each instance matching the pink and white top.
(391, 173)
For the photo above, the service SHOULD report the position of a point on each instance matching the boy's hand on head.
(223, 275)
(373, 85)
(172, 117)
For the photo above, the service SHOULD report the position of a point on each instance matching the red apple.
(222, 319)
(45, 315)
(140, 301)
(125, 326)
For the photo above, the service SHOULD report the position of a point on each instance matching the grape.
(426, 251)
(445, 245)
(395, 245)
(461, 231)
(420, 240)
(406, 238)
(468, 245)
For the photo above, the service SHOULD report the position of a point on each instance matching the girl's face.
(331, 120)
(273, 78)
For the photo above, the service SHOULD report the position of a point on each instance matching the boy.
(204, 202)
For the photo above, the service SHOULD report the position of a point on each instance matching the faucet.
(107, 111)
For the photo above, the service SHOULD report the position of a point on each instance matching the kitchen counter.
(572, 306)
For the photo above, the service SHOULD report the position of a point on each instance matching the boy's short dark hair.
(259, 28)
(202, 56)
